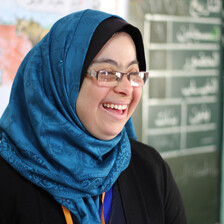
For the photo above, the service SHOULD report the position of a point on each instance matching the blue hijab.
(41, 135)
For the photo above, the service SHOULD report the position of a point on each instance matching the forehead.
(119, 50)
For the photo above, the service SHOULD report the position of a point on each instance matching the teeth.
(117, 107)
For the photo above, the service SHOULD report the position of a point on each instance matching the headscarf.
(41, 135)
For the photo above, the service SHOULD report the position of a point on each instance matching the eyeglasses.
(112, 78)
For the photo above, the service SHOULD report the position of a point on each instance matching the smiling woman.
(67, 152)
(111, 107)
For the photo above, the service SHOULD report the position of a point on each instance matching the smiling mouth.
(119, 108)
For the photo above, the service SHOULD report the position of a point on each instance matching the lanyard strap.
(68, 216)
(102, 212)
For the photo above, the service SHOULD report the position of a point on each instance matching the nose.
(124, 86)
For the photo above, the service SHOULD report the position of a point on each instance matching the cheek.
(137, 94)
(88, 102)
(95, 97)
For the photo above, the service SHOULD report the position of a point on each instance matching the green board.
(198, 179)
(180, 112)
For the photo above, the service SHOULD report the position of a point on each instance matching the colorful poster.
(23, 23)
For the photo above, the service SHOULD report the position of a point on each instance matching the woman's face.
(94, 103)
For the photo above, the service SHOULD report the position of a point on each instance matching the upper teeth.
(117, 107)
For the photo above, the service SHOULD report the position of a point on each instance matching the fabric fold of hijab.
(41, 135)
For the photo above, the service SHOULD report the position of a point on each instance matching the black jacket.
(147, 191)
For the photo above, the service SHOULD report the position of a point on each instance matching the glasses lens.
(106, 78)
(137, 78)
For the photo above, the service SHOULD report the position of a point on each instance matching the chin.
(109, 135)
(112, 135)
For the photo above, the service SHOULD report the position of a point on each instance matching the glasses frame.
(144, 75)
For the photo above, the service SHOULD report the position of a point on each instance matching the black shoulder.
(148, 164)
(22, 200)
(15, 188)
(145, 154)
(12, 180)
(154, 176)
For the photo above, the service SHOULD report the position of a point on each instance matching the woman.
(64, 134)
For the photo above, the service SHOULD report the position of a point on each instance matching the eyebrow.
(112, 62)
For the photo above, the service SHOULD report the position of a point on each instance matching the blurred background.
(181, 112)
